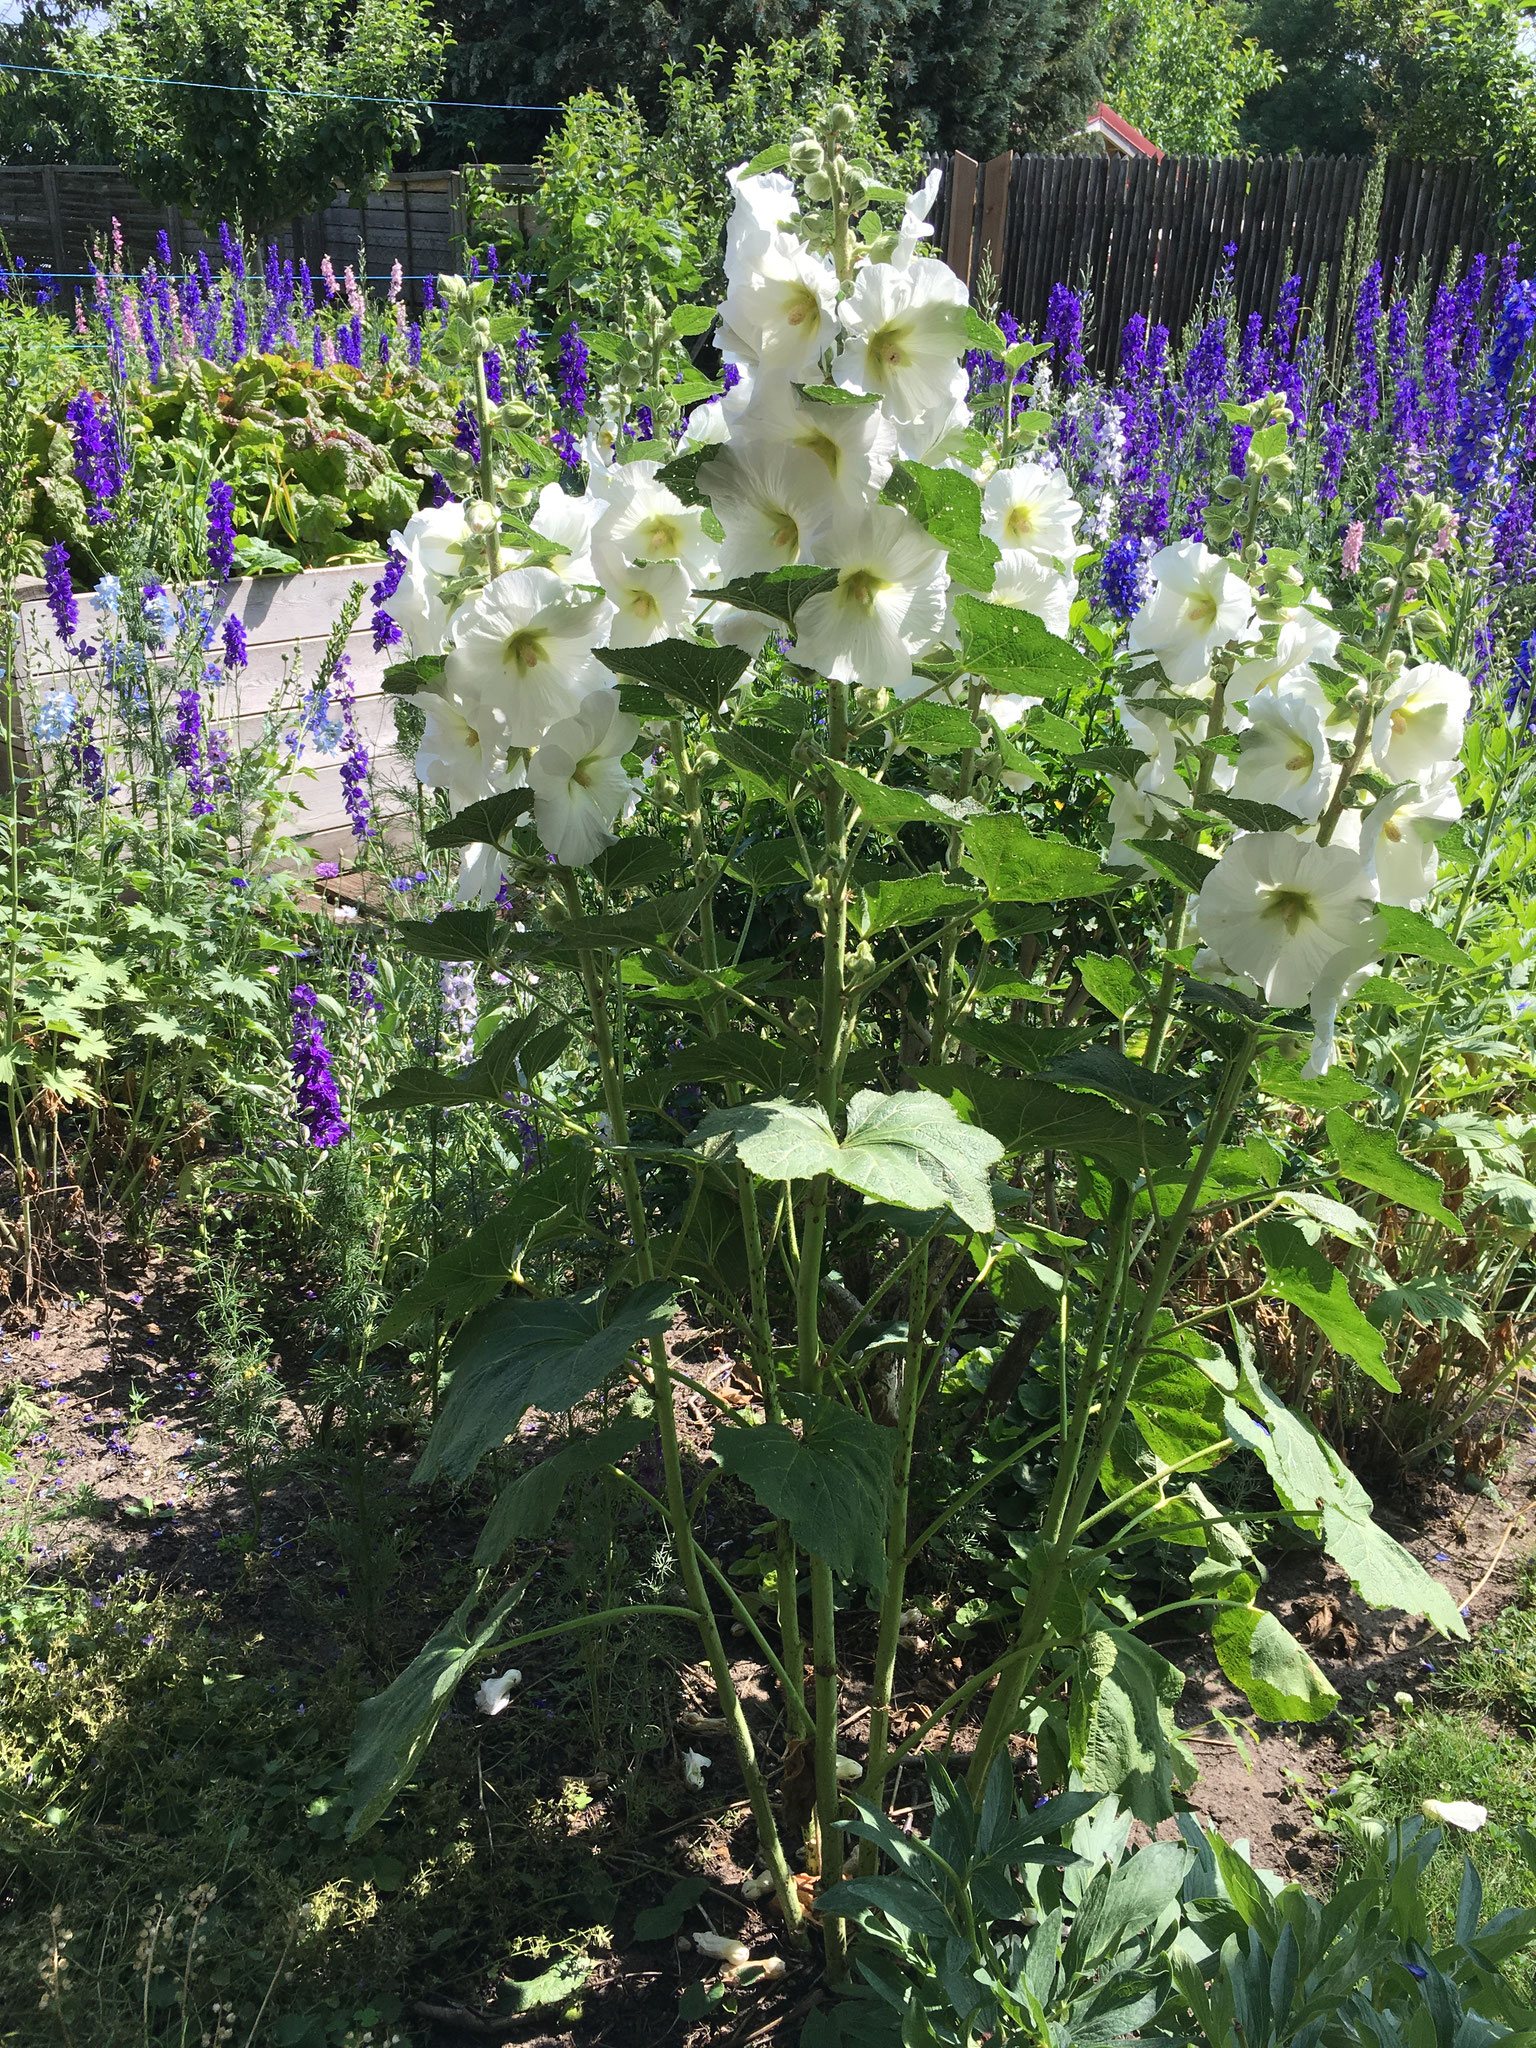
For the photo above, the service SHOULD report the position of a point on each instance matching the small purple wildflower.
(317, 1104)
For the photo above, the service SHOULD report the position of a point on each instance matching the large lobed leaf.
(830, 1482)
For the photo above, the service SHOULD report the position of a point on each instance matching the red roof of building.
(1105, 121)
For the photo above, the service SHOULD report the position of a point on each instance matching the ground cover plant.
(932, 1079)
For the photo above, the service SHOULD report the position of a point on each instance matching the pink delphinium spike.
(117, 243)
(1349, 553)
(354, 291)
(328, 277)
(81, 324)
(396, 280)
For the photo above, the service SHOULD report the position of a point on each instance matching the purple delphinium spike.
(386, 631)
(493, 375)
(61, 594)
(413, 344)
(1367, 403)
(221, 529)
(236, 652)
(163, 246)
(439, 491)
(527, 364)
(566, 448)
(317, 1103)
(1064, 331)
(572, 375)
(98, 464)
(354, 769)
(1122, 576)
(360, 983)
(88, 760)
(1335, 448)
(466, 431)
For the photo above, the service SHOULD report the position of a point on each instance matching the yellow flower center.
(888, 347)
(1301, 762)
(786, 532)
(802, 307)
(1290, 907)
(642, 605)
(1020, 523)
(1201, 610)
(526, 649)
(818, 443)
(861, 587)
(661, 537)
(581, 773)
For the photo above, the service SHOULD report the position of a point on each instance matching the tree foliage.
(974, 74)
(257, 155)
(1181, 70)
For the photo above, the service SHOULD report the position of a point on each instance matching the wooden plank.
(960, 229)
(995, 183)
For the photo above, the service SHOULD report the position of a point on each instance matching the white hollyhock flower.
(768, 500)
(708, 426)
(905, 334)
(782, 305)
(762, 205)
(578, 780)
(914, 219)
(492, 1696)
(651, 601)
(418, 609)
(1465, 1814)
(1303, 638)
(1285, 758)
(1199, 603)
(463, 746)
(854, 443)
(1419, 729)
(733, 628)
(1139, 809)
(1152, 734)
(938, 438)
(434, 538)
(1340, 980)
(695, 1764)
(888, 605)
(1032, 509)
(1006, 709)
(645, 522)
(1398, 838)
(1024, 584)
(1280, 909)
(567, 523)
(523, 647)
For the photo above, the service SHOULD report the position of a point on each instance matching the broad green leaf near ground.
(829, 1480)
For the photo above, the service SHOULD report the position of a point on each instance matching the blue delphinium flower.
(98, 466)
(571, 378)
(54, 720)
(61, 593)
(221, 529)
(317, 1103)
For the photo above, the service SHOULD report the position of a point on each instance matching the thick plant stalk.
(829, 1793)
(677, 1500)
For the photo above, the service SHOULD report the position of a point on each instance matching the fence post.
(995, 180)
(55, 217)
(961, 229)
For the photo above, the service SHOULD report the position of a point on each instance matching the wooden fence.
(1147, 237)
(51, 215)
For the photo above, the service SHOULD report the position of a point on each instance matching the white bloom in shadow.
(1419, 729)
(1398, 839)
(723, 1947)
(463, 746)
(762, 205)
(1303, 638)
(768, 499)
(914, 219)
(1340, 980)
(1031, 509)
(1285, 758)
(695, 1764)
(523, 647)
(495, 1693)
(567, 523)
(888, 605)
(578, 780)
(651, 601)
(1281, 909)
(854, 444)
(905, 333)
(1199, 603)
(782, 305)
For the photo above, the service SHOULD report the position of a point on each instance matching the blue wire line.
(291, 92)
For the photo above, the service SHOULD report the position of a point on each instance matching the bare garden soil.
(112, 1484)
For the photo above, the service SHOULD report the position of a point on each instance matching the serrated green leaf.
(830, 1483)
(773, 158)
(1020, 865)
(885, 807)
(911, 1150)
(1185, 866)
(521, 1354)
(777, 593)
(485, 823)
(1112, 981)
(395, 1726)
(1121, 1699)
(1015, 653)
(690, 320)
(1029, 1115)
(947, 505)
(1305, 1276)
(909, 900)
(1103, 1070)
(1373, 1158)
(451, 935)
(1409, 931)
(684, 670)
(528, 1506)
(657, 1923)
(936, 728)
(1248, 816)
(1285, 1080)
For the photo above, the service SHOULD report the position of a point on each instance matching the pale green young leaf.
(909, 900)
(1020, 865)
(1375, 1160)
(1112, 981)
(1121, 1721)
(1305, 1276)
(1264, 1661)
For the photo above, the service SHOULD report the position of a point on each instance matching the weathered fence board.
(287, 620)
(53, 215)
(1148, 236)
